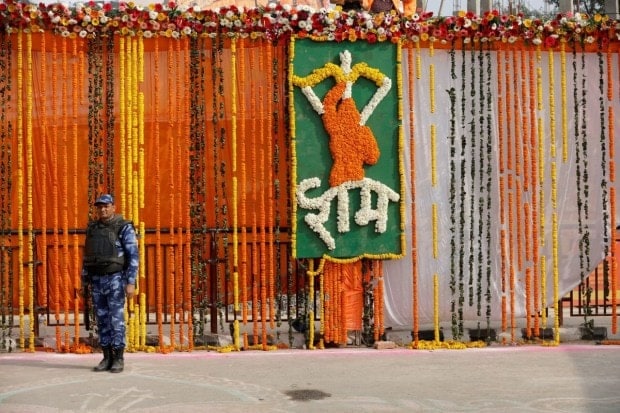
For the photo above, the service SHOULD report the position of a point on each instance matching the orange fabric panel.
(354, 295)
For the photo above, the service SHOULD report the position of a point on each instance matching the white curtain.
(461, 192)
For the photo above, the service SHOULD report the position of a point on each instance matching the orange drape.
(59, 121)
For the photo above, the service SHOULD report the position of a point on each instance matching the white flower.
(314, 100)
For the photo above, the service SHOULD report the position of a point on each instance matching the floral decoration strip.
(275, 21)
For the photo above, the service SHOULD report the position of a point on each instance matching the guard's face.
(105, 211)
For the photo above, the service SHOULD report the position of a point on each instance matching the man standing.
(110, 266)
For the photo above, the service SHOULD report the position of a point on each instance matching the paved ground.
(574, 377)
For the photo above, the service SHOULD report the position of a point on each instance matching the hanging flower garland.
(235, 189)
(269, 179)
(261, 206)
(43, 285)
(64, 184)
(77, 74)
(157, 185)
(473, 110)
(412, 180)
(243, 189)
(29, 189)
(20, 184)
(109, 179)
(452, 198)
(277, 21)
(603, 140)
(55, 214)
(533, 186)
(6, 184)
(171, 279)
(612, 197)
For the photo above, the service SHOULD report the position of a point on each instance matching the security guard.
(110, 266)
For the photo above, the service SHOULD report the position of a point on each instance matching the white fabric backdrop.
(398, 273)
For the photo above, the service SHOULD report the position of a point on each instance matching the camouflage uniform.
(108, 289)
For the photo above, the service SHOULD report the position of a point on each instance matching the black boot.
(106, 363)
(118, 363)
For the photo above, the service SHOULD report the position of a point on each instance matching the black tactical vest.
(100, 252)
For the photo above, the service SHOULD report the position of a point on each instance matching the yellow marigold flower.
(424, 37)
(462, 13)
(598, 18)
(527, 23)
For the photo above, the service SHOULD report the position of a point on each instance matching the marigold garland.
(171, 279)
(242, 188)
(564, 105)
(20, 184)
(65, 193)
(157, 185)
(44, 175)
(77, 72)
(269, 179)
(235, 190)
(311, 275)
(260, 205)
(29, 190)
(412, 154)
(187, 303)
(55, 213)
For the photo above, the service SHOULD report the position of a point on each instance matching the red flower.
(550, 41)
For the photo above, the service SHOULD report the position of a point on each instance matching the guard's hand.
(130, 290)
